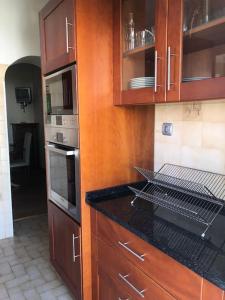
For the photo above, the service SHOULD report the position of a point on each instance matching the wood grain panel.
(112, 139)
(111, 289)
(54, 53)
(205, 90)
(161, 47)
(175, 278)
(61, 248)
(119, 265)
(211, 292)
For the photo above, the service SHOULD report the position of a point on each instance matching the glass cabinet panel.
(203, 40)
(138, 42)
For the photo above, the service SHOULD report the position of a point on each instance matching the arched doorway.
(26, 137)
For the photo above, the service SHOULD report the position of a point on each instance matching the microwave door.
(61, 92)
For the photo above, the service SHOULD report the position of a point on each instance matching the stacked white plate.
(188, 79)
(141, 82)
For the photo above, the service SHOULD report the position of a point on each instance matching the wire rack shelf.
(195, 194)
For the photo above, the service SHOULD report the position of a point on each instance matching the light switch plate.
(167, 129)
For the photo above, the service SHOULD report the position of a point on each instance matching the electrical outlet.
(167, 129)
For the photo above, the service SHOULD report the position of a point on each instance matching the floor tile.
(25, 269)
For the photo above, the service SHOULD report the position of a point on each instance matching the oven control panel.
(63, 130)
(63, 136)
(62, 121)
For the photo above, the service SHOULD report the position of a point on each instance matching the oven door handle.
(52, 148)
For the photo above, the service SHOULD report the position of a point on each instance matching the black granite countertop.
(177, 236)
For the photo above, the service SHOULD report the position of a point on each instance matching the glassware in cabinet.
(203, 67)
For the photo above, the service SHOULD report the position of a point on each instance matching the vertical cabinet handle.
(74, 238)
(169, 68)
(156, 71)
(124, 278)
(67, 36)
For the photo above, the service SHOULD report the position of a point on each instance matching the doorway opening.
(26, 137)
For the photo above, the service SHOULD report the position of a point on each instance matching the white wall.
(19, 75)
(19, 36)
(198, 139)
(25, 75)
(19, 29)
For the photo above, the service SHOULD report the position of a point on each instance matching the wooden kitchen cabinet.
(57, 27)
(211, 292)
(185, 60)
(138, 48)
(159, 275)
(65, 248)
(111, 289)
(203, 50)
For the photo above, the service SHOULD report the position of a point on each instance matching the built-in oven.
(61, 92)
(63, 164)
(64, 177)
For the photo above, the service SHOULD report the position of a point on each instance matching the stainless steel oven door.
(63, 178)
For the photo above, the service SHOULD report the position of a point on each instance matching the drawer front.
(134, 281)
(175, 278)
(111, 289)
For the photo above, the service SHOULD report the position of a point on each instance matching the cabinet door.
(203, 41)
(57, 21)
(57, 237)
(139, 64)
(65, 248)
(174, 50)
(72, 254)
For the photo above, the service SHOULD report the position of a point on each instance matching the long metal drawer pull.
(169, 69)
(124, 278)
(123, 298)
(74, 248)
(67, 36)
(124, 245)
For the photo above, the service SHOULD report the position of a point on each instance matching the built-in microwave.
(61, 92)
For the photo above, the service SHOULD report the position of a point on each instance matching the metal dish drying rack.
(195, 194)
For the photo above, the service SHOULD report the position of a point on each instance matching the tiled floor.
(25, 270)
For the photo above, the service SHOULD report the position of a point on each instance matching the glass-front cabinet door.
(203, 57)
(138, 56)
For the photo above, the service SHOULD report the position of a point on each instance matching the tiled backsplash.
(198, 138)
(6, 225)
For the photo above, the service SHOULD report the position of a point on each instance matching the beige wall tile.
(213, 135)
(166, 153)
(213, 112)
(199, 135)
(169, 113)
(191, 133)
(176, 138)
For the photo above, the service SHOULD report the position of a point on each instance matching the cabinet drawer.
(175, 278)
(138, 285)
(111, 289)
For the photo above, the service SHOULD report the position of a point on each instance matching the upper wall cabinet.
(168, 51)
(203, 49)
(138, 64)
(57, 26)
